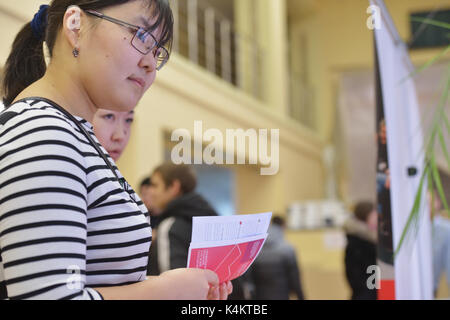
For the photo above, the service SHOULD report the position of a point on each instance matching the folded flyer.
(227, 245)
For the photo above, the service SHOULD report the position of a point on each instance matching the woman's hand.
(196, 284)
(220, 292)
(178, 284)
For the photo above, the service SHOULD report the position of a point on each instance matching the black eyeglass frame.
(137, 28)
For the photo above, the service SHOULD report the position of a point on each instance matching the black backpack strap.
(6, 115)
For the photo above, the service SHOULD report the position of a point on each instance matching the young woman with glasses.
(70, 225)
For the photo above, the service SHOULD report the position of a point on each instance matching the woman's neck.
(58, 86)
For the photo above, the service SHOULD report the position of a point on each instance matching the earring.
(75, 52)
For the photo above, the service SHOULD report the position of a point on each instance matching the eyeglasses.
(143, 41)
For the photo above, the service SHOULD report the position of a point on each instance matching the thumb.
(212, 277)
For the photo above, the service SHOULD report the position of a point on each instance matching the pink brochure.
(227, 245)
(228, 261)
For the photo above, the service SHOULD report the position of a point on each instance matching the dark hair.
(363, 209)
(279, 221)
(26, 63)
(183, 173)
(146, 182)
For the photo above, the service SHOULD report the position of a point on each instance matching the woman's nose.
(120, 133)
(148, 62)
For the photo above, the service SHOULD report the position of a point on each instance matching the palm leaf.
(426, 65)
(443, 102)
(432, 193)
(447, 123)
(437, 181)
(444, 147)
(414, 215)
(431, 171)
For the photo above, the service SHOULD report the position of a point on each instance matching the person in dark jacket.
(360, 252)
(173, 194)
(144, 193)
(275, 272)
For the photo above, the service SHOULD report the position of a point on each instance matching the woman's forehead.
(149, 24)
(137, 12)
(126, 113)
(147, 15)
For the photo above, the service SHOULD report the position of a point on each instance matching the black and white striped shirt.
(66, 224)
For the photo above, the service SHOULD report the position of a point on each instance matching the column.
(272, 28)
(243, 25)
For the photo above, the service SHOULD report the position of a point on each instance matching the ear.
(72, 25)
(175, 188)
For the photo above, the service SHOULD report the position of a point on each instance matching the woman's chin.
(115, 155)
(123, 105)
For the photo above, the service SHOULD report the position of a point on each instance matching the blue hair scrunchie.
(39, 22)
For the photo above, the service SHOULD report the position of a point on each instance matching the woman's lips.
(114, 154)
(139, 81)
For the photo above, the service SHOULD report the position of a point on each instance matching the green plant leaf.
(443, 146)
(437, 181)
(439, 115)
(443, 101)
(431, 141)
(446, 122)
(433, 60)
(430, 170)
(432, 192)
(413, 216)
(427, 64)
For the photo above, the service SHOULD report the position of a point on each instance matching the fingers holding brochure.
(227, 245)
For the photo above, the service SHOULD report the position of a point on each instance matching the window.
(429, 36)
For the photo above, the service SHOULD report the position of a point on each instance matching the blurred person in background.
(275, 272)
(113, 129)
(172, 194)
(144, 192)
(360, 252)
(440, 237)
(173, 197)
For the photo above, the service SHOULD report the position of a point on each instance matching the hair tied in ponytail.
(39, 22)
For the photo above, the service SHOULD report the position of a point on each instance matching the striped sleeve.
(43, 209)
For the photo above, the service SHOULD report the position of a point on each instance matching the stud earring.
(75, 52)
